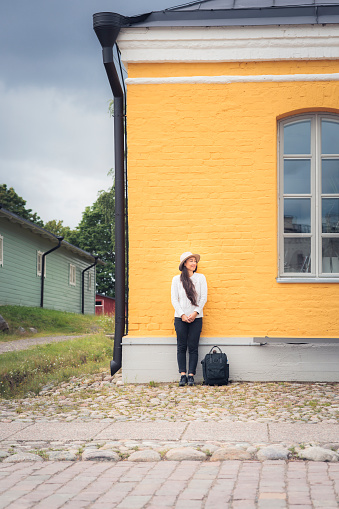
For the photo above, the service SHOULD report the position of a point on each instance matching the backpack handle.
(216, 346)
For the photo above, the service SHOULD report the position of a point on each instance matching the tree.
(95, 234)
(11, 201)
(57, 227)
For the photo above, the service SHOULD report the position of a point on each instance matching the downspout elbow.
(107, 27)
(60, 239)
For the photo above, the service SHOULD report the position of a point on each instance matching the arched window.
(309, 197)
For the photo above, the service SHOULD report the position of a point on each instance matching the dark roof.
(210, 5)
(240, 12)
(104, 296)
(14, 218)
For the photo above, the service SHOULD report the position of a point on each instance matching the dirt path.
(24, 344)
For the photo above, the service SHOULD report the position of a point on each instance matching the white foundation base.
(146, 359)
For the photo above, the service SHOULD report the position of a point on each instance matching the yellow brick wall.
(202, 173)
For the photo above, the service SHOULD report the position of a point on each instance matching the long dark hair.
(188, 286)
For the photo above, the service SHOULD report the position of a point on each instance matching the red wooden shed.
(104, 305)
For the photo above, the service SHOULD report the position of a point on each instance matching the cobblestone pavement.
(148, 472)
(104, 397)
(180, 485)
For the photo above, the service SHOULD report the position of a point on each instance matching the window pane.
(329, 137)
(297, 215)
(297, 255)
(331, 255)
(330, 176)
(297, 138)
(297, 176)
(330, 215)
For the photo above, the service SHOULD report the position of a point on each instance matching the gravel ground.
(100, 397)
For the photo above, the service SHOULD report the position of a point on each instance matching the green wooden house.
(27, 251)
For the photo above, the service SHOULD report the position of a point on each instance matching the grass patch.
(40, 453)
(27, 371)
(50, 322)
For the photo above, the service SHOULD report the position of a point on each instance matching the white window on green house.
(1, 251)
(72, 274)
(39, 264)
(309, 197)
(90, 280)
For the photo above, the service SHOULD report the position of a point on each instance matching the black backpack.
(215, 367)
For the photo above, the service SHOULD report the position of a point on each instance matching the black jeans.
(188, 335)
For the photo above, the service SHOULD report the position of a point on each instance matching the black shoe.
(190, 380)
(183, 381)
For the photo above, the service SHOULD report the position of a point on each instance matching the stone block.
(185, 453)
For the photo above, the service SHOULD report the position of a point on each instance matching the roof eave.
(293, 15)
(14, 218)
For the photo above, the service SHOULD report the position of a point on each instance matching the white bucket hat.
(185, 257)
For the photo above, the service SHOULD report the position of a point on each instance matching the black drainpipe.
(60, 239)
(107, 26)
(83, 284)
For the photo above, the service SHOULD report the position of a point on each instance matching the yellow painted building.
(203, 176)
(233, 152)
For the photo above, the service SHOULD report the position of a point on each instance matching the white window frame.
(316, 275)
(39, 264)
(72, 274)
(1, 251)
(90, 281)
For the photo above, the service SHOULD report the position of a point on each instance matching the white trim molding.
(72, 274)
(307, 280)
(39, 264)
(233, 79)
(229, 44)
(169, 340)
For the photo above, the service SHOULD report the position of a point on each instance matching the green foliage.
(11, 201)
(51, 322)
(58, 228)
(95, 234)
(27, 371)
(111, 108)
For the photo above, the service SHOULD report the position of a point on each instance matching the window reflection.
(297, 176)
(297, 215)
(297, 255)
(329, 137)
(330, 252)
(309, 195)
(330, 176)
(330, 215)
(297, 138)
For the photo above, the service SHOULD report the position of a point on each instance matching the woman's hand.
(192, 317)
(184, 318)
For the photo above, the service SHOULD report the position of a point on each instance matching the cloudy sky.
(56, 136)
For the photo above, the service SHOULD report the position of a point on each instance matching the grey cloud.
(56, 138)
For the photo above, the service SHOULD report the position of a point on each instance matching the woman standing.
(189, 295)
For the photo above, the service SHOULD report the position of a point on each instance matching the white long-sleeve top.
(182, 305)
